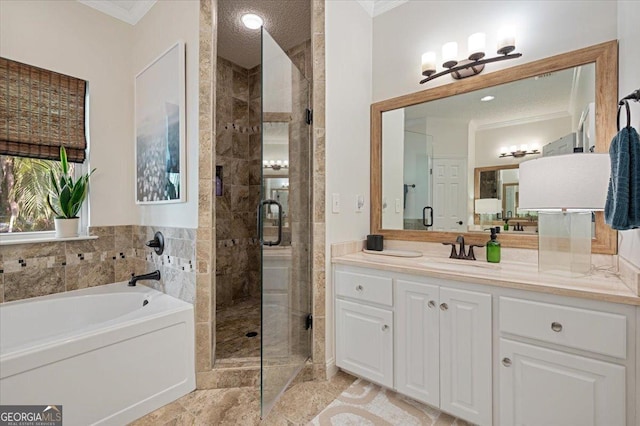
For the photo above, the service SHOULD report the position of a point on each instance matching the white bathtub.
(98, 352)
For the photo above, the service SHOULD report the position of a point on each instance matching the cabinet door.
(540, 386)
(465, 354)
(364, 341)
(417, 366)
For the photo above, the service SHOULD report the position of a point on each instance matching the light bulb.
(265, 163)
(524, 147)
(476, 45)
(428, 63)
(450, 54)
(506, 40)
(503, 150)
(286, 163)
(252, 21)
(513, 148)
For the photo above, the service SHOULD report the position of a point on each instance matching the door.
(364, 341)
(465, 354)
(540, 386)
(284, 227)
(449, 194)
(417, 337)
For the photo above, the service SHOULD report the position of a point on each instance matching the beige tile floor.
(241, 406)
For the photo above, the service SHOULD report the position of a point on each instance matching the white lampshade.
(573, 181)
(429, 61)
(488, 206)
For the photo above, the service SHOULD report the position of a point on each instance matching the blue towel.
(622, 209)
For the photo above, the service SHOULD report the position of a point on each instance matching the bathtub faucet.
(155, 275)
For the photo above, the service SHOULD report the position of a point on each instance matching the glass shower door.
(284, 221)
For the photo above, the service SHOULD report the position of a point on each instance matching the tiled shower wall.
(238, 152)
(38, 269)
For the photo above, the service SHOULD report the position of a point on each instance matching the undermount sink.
(457, 264)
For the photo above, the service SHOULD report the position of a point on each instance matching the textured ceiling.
(520, 100)
(288, 22)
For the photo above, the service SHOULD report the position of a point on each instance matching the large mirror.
(445, 160)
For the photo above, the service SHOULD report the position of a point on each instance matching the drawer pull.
(385, 327)
(359, 288)
(556, 326)
(444, 306)
(432, 304)
(506, 362)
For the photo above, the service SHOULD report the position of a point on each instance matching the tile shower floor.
(241, 406)
(232, 325)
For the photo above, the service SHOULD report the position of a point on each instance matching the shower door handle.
(260, 236)
(424, 216)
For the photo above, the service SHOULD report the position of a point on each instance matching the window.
(24, 184)
(40, 111)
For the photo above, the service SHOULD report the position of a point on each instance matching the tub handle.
(157, 243)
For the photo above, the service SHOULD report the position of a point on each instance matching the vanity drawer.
(599, 332)
(364, 287)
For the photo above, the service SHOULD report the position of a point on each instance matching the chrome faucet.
(462, 253)
(155, 275)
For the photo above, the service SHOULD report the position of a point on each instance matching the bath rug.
(365, 403)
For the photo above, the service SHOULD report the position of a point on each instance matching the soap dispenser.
(493, 247)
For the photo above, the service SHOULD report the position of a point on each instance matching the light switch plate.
(359, 203)
(335, 203)
(398, 205)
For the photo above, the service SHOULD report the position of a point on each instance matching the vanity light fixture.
(252, 21)
(516, 152)
(275, 164)
(475, 62)
(487, 98)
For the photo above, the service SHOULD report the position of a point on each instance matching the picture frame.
(160, 129)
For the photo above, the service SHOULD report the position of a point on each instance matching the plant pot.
(67, 228)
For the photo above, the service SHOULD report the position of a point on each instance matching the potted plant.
(66, 197)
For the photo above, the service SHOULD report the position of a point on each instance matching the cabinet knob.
(359, 288)
(444, 306)
(432, 304)
(506, 362)
(385, 327)
(556, 326)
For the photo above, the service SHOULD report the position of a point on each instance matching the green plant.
(66, 196)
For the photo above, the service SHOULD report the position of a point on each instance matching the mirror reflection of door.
(510, 195)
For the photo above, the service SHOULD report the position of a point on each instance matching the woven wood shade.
(40, 111)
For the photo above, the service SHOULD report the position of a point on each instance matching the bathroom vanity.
(490, 344)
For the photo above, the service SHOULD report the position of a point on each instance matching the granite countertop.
(602, 285)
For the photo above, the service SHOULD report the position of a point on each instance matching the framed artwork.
(161, 129)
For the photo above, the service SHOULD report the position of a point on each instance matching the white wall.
(73, 39)
(450, 137)
(167, 22)
(490, 140)
(348, 30)
(629, 64)
(392, 168)
(543, 28)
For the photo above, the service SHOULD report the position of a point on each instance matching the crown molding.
(132, 16)
(378, 7)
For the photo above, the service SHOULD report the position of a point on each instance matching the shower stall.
(263, 217)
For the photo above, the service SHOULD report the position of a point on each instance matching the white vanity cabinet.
(490, 354)
(364, 325)
(543, 381)
(443, 348)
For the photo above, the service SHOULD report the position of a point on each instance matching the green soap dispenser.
(493, 247)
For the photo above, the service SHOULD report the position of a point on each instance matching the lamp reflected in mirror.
(488, 209)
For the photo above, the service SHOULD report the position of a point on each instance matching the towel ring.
(624, 103)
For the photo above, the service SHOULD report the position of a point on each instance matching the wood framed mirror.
(604, 58)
